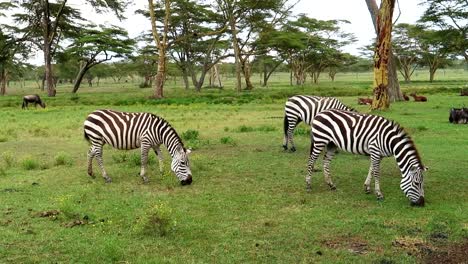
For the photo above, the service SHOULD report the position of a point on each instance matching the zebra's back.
(121, 130)
(353, 132)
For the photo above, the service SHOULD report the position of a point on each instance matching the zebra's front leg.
(375, 163)
(326, 166)
(98, 154)
(144, 161)
(315, 151)
(158, 152)
(368, 181)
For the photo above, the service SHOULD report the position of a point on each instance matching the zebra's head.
(413, 185)
(181, 166)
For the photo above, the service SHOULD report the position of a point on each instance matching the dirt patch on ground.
(440, 251)
(448, 254)
(354, 245)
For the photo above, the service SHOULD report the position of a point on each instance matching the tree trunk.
(46, 28)
(185, 78)
(161, 75)
(3, 81)
(381, 56)
(432, 71)
(79, 78)
(247, 74)
(235, 45)
(393, 84)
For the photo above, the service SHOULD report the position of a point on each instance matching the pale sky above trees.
(354, 11)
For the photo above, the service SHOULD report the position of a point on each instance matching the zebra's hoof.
(308, 189)
(380, 198)
(332, 187)
(91, 175)
(367, 190)
(108, 180)
(285, 147)
(293, 149)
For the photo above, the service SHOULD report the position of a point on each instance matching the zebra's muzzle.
(419, 202)
(187, 181)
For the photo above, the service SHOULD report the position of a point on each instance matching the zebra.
(124, 130)
(369, 135)
(304, 108)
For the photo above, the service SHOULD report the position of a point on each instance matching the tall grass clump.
(29, 163)
(228, 141)
(8, 159)
(244, 128)
(157, 220)
(63, 158)
(190, 135)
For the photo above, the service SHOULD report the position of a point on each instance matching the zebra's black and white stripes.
(304, 108)
(146, 131)
(367, 135)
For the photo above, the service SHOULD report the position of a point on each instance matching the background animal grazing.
(463, 92)
(146, 131)
(367, 135)
(405, 97)
(304, 108)
(32, 98)
(418, 98)
(458, 115)
(365, 101)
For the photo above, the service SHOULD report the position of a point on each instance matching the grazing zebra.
(124, 130)
(367, 135)
(304, 108)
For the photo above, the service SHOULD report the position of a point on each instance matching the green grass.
(248, 201)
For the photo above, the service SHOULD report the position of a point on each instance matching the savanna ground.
(248, 201)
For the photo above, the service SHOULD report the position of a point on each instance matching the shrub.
(144, 85)
(120, 157)
(190, 134)
(245, 128)
(63, 159)
(157, 220)
(135, 159)
(227, 141)
(8, 159)
(29, 163)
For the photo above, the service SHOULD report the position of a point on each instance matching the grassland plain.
(247, 203)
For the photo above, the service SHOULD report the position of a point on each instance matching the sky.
(354, 11)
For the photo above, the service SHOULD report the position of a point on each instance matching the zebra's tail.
(286, 125)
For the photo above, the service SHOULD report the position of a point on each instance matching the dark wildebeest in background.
(405, 97)
(418, 98)
(463, 92)
(32, 98)
(364, 101)
(458, 115)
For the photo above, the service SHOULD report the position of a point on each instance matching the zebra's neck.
(405, 152)
(171, 139)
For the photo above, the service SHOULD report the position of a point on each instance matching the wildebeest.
(32, 98)
(418, 98)
(405, 97)
(364, 101)
(463, 92)
(458, 115)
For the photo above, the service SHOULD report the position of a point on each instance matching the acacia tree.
(47, 24)
(451, 17)
(250, 17)
(433, 49)
(95, 46)
(393, 86)
(405, 46)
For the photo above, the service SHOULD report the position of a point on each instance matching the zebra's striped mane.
(169, 126)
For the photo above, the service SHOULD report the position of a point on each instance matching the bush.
(63, 159)
(190, 134)
(29, 163)
(245, 128)
(157, 220)
(120, 157)
(135, 159)
(144, 85)
(227, 141)
(8, 159)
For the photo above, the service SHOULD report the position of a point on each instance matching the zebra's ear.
(188, 151)
(425, 168)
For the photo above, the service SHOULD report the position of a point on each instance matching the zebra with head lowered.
(146, 131)
(304, 108)
(367, 135)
